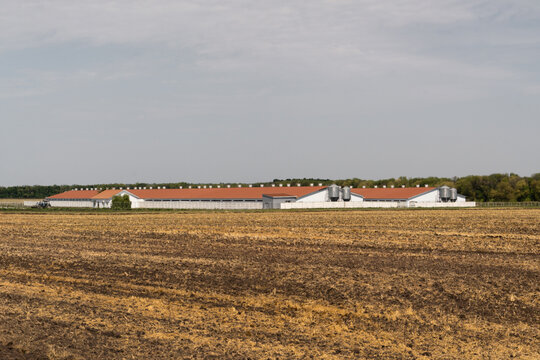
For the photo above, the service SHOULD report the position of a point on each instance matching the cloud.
(231, 69)
(224, 35)
(213, 24)
(338, 40)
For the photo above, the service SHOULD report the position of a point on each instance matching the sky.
(132, 91)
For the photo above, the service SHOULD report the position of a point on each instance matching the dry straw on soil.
(327, 285)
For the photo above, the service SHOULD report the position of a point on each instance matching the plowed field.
(443, 284)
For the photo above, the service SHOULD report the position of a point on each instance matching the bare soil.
(443, 284)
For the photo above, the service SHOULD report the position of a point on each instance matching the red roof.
(391, 193)
(279, 195)
(75, 194)
(224, 193)
(106, 194)
(241, 193)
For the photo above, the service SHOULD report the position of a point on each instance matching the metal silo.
(444, 193)
(346, 194)
(453, 194)
(333, 192)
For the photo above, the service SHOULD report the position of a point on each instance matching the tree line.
(481, 188)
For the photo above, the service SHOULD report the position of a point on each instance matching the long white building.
(280, 197)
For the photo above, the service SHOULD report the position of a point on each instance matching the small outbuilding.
(274, 201)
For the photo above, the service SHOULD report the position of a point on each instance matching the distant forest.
(495, 187)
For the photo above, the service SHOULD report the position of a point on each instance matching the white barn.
(264, 197)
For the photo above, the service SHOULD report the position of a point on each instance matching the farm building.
(414, 194)
(74, 198)
(274, 197)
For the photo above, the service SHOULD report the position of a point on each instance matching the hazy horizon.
(227, 91)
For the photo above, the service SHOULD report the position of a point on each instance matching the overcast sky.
(230, 90)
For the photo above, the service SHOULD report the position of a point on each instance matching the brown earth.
(441, 284)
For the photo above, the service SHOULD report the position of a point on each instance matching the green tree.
(503, 192)
(535, 189)
(523, 192)
(121, 202)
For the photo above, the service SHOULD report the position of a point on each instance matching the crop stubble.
(356, 284)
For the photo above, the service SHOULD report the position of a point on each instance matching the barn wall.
(71, 203)
(210, 205)
(372, 204)
(319, 196)
(342, 205)
(322, 196)
(432, 196)
(274, 203)
(442, 204)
